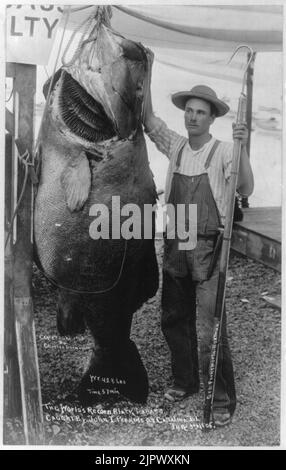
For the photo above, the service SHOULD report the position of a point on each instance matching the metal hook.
(251, 52)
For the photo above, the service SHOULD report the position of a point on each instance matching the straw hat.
(203, 92)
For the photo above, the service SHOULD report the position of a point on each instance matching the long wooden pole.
(224, 258)
(23, 110)
(249, 94)
(223, 266)
(12, 395)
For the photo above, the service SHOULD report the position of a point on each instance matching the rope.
(86, 22)
(103, 291)
(10, 96)
(100, 11)
(45, 68)
(51, 82)
(75, 9)
(24, 159)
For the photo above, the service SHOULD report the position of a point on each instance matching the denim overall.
(188, 288)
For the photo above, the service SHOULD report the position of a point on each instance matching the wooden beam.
(256, 246)
(12, 396)
(9, 122)
(24, 95)
(10, 69)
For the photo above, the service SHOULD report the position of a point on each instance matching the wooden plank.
(10, 69)
(258, 236)
(24, 92)
(262, 220)
(9, 122)
(257, 246)
(12, 396)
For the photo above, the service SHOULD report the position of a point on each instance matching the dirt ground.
(254, 335)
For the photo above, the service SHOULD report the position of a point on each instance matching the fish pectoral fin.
(76, 181)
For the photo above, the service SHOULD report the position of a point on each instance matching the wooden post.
(23, 111)
(249, 87)
(12, 391)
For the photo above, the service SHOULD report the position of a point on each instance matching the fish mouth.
(82, 114)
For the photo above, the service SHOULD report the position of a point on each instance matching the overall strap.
(210, 155)
(208, 161)
(179, 157)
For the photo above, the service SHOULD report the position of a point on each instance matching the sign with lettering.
(30, 32)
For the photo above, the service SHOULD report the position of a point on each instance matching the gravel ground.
(254, 333)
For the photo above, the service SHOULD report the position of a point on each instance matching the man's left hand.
(240, 131)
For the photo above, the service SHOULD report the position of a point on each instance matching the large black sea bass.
(92, 150)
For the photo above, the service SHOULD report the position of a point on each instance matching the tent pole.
(24, 90)
(249, 87)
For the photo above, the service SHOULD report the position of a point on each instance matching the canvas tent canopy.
(191, 27)
(205, 35)
(33, 32)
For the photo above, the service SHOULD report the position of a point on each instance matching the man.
(199, 173)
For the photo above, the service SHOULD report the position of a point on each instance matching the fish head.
(102, 89)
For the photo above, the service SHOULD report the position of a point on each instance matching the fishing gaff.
(225, 249)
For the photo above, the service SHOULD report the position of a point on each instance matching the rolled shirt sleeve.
(169, 142)
(164, 138)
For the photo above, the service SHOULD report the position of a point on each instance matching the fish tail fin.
(114, 372)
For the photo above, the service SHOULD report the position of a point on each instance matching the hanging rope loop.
(28, 162)
(36, 148)
(101, 14)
